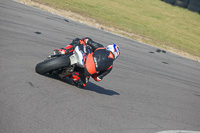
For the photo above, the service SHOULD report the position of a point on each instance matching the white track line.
(179, 131)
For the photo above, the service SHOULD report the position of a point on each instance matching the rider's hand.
(95, 77)
(60, 51)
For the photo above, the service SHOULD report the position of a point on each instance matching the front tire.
(52, 64)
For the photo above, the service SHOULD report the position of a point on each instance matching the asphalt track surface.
(148, 91)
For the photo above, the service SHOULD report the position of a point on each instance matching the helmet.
(114, 48)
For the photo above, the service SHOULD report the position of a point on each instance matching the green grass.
(163, 24)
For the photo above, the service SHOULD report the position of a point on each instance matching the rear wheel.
(52, 64)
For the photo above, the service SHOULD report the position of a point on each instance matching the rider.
(98, 63)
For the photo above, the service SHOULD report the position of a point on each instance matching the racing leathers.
(98, 62)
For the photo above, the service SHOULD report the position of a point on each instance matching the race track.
(148, 91)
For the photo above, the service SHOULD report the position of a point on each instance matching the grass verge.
(150, 21)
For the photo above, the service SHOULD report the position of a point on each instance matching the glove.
(94, 76)
(60, 51)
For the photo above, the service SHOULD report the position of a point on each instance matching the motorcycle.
(63, 65)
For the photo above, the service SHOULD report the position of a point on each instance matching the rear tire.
(52, 64)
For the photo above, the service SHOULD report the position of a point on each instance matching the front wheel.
(52, 64)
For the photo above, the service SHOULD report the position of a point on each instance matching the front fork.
(66, 70)
(70, 69)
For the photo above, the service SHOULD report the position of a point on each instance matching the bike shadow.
(98, 89)
(90, 86)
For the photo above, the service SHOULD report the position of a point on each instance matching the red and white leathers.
(98, 63)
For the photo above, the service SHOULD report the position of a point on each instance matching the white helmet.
(114, 48)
